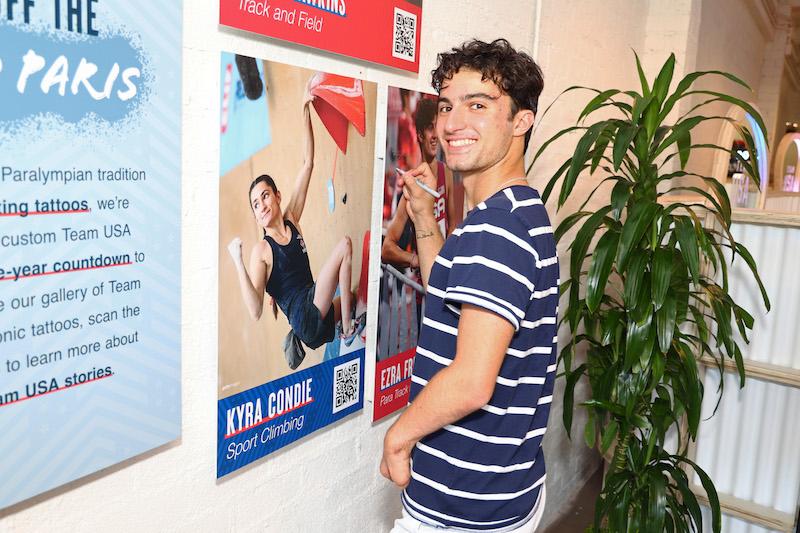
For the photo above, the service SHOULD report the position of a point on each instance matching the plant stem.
(618, 463)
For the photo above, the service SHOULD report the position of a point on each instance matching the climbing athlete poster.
(89, 237)
(293, 243)
(410, 140)
(385, 32)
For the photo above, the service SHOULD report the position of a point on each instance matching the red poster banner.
(381, 31)
(393, 383)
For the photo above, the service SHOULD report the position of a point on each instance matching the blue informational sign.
(244, 123)
(260, 420)
(90, 102)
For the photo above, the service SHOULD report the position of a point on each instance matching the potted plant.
(652, 297)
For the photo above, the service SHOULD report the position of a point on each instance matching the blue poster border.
(252, 425)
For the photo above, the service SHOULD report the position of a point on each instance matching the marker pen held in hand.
(432, 192)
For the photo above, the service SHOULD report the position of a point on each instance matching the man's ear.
(523, 121)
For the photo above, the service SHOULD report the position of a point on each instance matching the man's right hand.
(419, 203)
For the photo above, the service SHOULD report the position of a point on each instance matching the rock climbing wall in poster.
(89, 237)
(385, 31)
(294, 222)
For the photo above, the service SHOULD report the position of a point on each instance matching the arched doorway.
(786, 164)
(729, 171)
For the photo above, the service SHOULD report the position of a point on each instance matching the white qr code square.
(404, 43)
(346, 386)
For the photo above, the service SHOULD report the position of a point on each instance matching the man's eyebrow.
(470, 96)
(478, 95)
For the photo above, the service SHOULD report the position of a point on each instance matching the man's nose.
(454, 120)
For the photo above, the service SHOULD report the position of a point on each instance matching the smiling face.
(474, 122)
(266, 203)
(428, 142)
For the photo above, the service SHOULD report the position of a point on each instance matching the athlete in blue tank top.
(279, 263)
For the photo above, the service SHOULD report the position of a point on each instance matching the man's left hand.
(396, 461)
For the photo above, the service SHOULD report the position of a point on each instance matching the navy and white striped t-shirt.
(485, 471)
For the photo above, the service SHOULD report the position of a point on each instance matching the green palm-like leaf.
(642, 77)
(711, 492)
(658, 503)
(660, 88)
(745, 254)
(619, 197)
(689, 499)
(684, 228)
(737, 356)
(640, 336)
(582, 240)
(640, 217)
(600, 268)
(750, 110)
(609, 433)
(665, 323)
(687, 81)
(633, 281)
(596, 102)
(662, 271)
(602, 143)
(684, 147)
(554, 180)
(579, 159)
(568, 223)
(569, 396)
(625, 136)
(640, 105)
(554, 138)
(590, 431)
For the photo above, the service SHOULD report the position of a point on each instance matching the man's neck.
(480, 185)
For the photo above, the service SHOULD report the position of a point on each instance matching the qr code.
(346, 386)
(404, 44)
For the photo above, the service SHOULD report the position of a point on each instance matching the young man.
(467, 450)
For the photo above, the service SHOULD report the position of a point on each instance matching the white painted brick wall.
(329, 482)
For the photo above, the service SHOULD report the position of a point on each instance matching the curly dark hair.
(515, 73)
(424, 114)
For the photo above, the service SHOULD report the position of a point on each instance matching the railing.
(398, 314)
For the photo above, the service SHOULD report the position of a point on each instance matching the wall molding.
(749, 511)
(765, 13)
(758, 370)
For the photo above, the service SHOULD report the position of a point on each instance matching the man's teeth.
(462, 142)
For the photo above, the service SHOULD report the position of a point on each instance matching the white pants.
(409, 524)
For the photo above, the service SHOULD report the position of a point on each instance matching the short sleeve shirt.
(484, 472)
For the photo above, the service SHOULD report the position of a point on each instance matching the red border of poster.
(363, 29)
(392, 383)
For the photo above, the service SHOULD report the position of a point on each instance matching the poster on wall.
(384, 32)
(410, 141)
(294, 221)
(89, 237)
